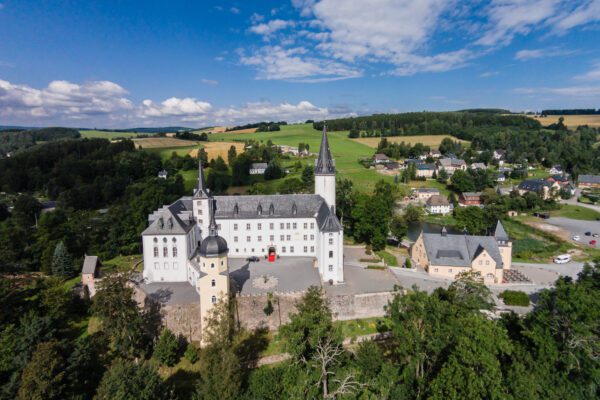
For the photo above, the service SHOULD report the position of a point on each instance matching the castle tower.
(213, 285)
(325, 172)
(200, 203)
(504, 245)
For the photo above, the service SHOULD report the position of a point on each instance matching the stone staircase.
(514, 276)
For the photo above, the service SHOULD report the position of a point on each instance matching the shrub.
(407, 263)
(515, 298)
(166, 350)
(191, 353)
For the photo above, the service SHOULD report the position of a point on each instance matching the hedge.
(515, 298)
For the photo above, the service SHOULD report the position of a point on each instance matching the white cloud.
(489, 74)
(592, 74)
(276, 62)
(410, 64)
(271, 27)
(187, 107)
(234, 10)
(577, 92)
(585, 13)
(209, 81)
(262, 111)
(530, 54)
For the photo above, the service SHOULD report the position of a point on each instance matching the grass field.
(428, 140)
(576, 212)
(216, 149)
(571, 121)
(106, 135)
(161, 142)
(345, 151)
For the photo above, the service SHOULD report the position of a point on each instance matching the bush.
(191, 353)
(515, 298)
(166, 350)
(407, 263)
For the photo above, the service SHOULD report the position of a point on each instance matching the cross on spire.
(325, 165)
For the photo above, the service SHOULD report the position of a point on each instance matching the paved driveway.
(576, 227)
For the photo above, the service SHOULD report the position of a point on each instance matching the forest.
(12, 140)
(579, 111)
(436, 346)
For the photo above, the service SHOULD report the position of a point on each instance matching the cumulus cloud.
(270, 27)
(276, 62)
(591, 75)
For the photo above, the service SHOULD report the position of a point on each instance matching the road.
(573, 201)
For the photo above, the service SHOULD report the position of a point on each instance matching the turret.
(325, 172)
(200, 202)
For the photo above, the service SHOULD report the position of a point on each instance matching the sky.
(118, 64)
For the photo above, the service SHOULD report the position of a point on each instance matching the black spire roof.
(201, 190)
(213, 245)
(325, 165)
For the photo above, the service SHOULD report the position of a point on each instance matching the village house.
(470, 199)
(425, 170)
(380, 159)
(258, 168)
(542, 187)
(556, 169)
(447, 255)
(478, 165)
(499, 154)
(500, 178)
(423, 194)
(435, 154)
(283, 149)
(452, 164)
(391, 166)
(90, 273)
(437, 204)
(588, 182)
(163, 174)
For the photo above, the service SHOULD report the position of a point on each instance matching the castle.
(192, 239)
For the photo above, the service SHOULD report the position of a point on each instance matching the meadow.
(432, 141)
(93, 134)
(216, 149)
(571, 121)
(161, 142)
(346, 152)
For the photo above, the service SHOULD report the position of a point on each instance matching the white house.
(163, 174)
(258, 168)
(437, 204)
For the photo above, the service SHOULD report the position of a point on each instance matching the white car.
(576, 238)
(562, 259)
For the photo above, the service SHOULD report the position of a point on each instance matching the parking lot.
(576, 227)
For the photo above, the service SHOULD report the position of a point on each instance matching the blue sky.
(199, 63)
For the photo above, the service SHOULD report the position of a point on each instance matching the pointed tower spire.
(325, 165)
(500, 232)
(201, 190)
(212, 206)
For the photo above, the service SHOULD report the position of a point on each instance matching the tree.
(62, 262)
(240, 170)
(413, 214)
(166, 349)
(398, 228)
(203, 157)
(442, 175)
(308, 175)
(231, 155)
(469, 292)
(44, 376)
(471, 218)
(128, 380)
(191, 353)
(274, 171)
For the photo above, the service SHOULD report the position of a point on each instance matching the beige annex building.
(446, 255)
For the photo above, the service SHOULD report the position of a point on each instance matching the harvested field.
(216, 149)
(214, 129)
(427, 140)
(249, 130)
(571, 121)
(156, 143)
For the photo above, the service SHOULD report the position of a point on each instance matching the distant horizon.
(214, 63)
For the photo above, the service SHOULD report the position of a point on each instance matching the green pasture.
(92, 134)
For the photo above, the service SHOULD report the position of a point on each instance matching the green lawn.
(106, 134)
(533, 245)
(576, 212)
(389, 258)
(345, 151)
(122, 263)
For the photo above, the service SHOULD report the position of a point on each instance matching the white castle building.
(186, 240)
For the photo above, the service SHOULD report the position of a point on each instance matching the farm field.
(214, 129)
(345, 151)
(92, 134)
(571, 121)
(216, 149)
(427, 140)
(161, 142)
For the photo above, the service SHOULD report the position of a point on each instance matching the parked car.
(595, 235)
(576, 238)
(588, 234)
(562, 259)
(593, 242)
(252, 259)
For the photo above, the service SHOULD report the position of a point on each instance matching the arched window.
(214, 299)
(213, 283)
(165, 252)
(174, 240)
(174, 251)
(156, 252)
(164, 240)
(155, 240)
(212, 265)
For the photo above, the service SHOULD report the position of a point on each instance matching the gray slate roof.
(437, 200)
(459, 250)
(590, 179)
(325, 164)
(259, 165)
(201, 190)
(534, 185)
(90, 263)
(175, 219)
(500, 232)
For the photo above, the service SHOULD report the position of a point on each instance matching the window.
(305, 237)
(281, 225)
(330, 254)
(259, 227)
(235, 227)
(295, 225)
(237, 250)
(212, 265)
(221, 263)
(166, 265)
(305, 249)
(235, 239)
(155, 240)
(312, 237)
(291, 249)
(174, 240)
(480, 262)
(312, 249)
(330, 240)
(214, 299)
(450, 270)
(165, 252)
(156, 252)
(213, 283)
(175, 265)
(248, 227)
(281, 237)
(248, 239)
(487, 262)
(174, 251)
(312, 225)
(331, 268)
(164, 240)
(306, 225)
(271, 226)
(288, 238)
(287, 226)
(271, 237)
(156, 265)
(260, 238)
(218, 226)
(283, 249)
(435, 270)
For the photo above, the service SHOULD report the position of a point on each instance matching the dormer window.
(271, 209)
(236, 209)
(170, 223)
(161, 223)
(259, 210)
(294, 209)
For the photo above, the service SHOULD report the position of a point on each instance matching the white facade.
(166, 257)
(325, 187)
